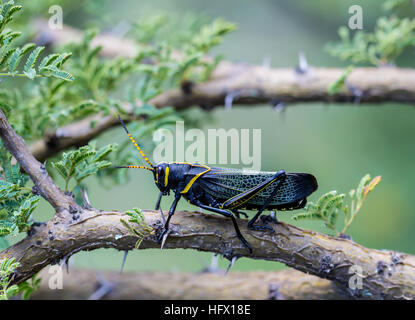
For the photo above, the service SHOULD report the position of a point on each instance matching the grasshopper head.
(161, 177)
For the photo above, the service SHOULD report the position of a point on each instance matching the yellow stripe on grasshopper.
(166, 177)
(189, 185)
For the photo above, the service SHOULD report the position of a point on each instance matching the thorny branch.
(385, 274)
(230, 83)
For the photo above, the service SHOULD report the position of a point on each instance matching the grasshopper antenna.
(133, 167)
(136, 146)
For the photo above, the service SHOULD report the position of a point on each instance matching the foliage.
(191, 63)
(136, 216)
(390, 5)
(390, 38)
(16, 200)
(7, 267)
(48, 104)
(330, 204)
(194, 51)
(26, 288)
(83, 162)
(11, 57)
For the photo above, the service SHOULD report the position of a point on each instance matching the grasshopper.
(227, 191)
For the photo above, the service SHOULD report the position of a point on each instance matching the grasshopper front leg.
(177, 197)
(159, 200)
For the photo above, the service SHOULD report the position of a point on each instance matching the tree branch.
(37, 172)
(385, 274)
(76, 134)
(247, 84)
(256, 285)
(230, 83)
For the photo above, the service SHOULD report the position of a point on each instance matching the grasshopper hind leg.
(280, 178)
(226, 214)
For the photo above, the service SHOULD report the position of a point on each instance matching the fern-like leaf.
(360, 188)
(61, 168)
(53, 71)
(30, 62)
(307, 216)
(49, 59)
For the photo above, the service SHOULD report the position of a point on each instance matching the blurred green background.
(337, 143)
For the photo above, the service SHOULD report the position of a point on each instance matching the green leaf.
(49, 59)
(13, 174)
(7, 267)
(136, 216)
(324, 199)
(27, 287)
(53, 71)
(363, 182)
(307, 215)
(27, 47)
(334, 202)
(28, 206)
(5, 54)
(80, 156)
(14, 60)
(30, 62)
(62, 58)
(86, 172)
(61, 168)
(104, 151)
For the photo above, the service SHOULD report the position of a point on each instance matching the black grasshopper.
(226, 191)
